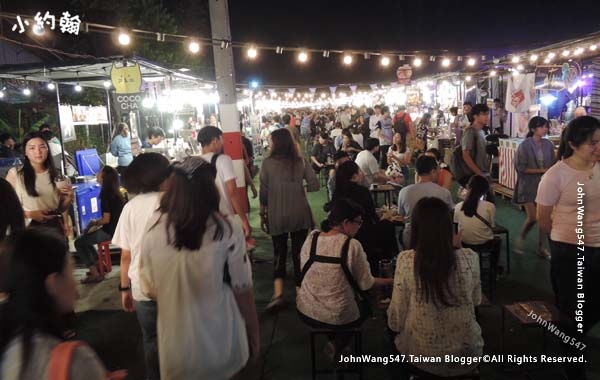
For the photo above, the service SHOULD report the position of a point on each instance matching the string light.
(302, 56)
(124, 39)
(446, 62)
(417, 62)
(323, 95)
(107, 84)
(578, 51)
(252, 52)
(551, 55)
(26, 92)
(468, 78)
(566, 53)
(520, 67)
(78, 88)
(194, 47)
(516, 59)
(533, 57)
(471, 62)
(347, 59)
(593, 47)
(493, 73)
(385, 61)
(50, 86)
(38, 30)
(547, 60)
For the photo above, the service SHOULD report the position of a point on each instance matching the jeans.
(406, 173)
(564, 276)
(280, 251)
(146, 314)
(85, 246)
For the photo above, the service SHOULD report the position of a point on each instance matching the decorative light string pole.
(225, 75)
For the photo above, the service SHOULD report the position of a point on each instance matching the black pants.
(564, 276)
(383, 150)
(280, 247)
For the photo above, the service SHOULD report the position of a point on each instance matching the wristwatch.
(124, 288)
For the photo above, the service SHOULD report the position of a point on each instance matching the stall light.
(148, 103)
(547, 60)
(446, 62)
(593, 47)
(548, 99)
(471, 62)
(253, 84)
(38, 30)
(184, 69)
(26, 92)
(520, 67)
(107, 84)
(347, 59)
(323, 95)
(493, 73)
(194, 47)
(516, 59)
(78, 88)
(252, 52)
(303, 57)
(417, 62)
(566, 53)
(578, 51)
(51, 86)
(468, 78)
(551, 55)
(533, 57)
(385, 61)
(1, 94)
(246, 92)
(124, 38)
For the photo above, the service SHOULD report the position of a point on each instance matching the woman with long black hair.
(436, 289)
(399, 156)
(284, 209)
(44, 201)
(535, 155)
(99, 230)
(37, 289)
(12, 218)
(188, 251)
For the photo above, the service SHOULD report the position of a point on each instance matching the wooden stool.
(356, 336)
(104, 263)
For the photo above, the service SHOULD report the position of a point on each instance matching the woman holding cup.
(45, 195)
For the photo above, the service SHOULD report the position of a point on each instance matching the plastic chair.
(104, 263)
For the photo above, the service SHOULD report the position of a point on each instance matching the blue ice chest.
(87, 196)
(88, 162)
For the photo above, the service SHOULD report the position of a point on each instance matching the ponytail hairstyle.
(579, 131)
(478, 186)
(535, 123)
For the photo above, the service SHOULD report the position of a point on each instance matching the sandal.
(92, 279)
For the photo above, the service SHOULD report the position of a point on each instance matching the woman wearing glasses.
(534, 157)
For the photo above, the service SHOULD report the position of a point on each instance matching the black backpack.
(458, 167)
(400, 125)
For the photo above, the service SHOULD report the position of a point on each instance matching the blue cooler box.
(87, 197)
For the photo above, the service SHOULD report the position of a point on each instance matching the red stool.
(104, 264)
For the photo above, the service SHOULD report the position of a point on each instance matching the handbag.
(495, 244)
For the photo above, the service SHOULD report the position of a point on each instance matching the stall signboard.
(84, 115)
(125, 103)
(126, 79)
(67, 127)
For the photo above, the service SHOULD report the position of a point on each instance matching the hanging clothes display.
(520, 92)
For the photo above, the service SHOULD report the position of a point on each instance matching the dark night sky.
(460, 27)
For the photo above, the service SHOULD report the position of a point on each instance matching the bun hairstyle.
(535, 123)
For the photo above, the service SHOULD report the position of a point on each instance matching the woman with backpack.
(334, 270)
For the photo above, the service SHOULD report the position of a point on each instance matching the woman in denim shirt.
(120, 147)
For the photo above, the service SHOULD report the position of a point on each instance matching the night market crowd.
(184, 235)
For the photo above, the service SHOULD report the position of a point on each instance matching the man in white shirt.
(211, 140)
(373, 120)
(426, 186)
(367, 162)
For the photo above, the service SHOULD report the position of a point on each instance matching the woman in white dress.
(194, 264)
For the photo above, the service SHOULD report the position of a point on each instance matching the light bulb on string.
(124, 39)
(593, 47)
(50, 86)
(533, 57)
(1, 94)
(446, 62)
(417, 62)
(106, 84)
(26, 92)
(547, 60)
(385, 61)
(78, 88)
(194, 47)
(516, 59)
(566, 53)
(493, 73)
(471, 62)
(578, 51)
(468, 78)
(520, 67)
(347, 59)
(551, 55)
